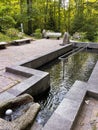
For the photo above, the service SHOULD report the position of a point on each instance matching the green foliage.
(96, 36)
(90, 29)
(12, 32)
(37, 33)
(78, 16)
(3, 37)
(6, 22)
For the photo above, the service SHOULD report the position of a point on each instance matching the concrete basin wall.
(37, 81)
(87, 44)
(39, 61)
(64, 117)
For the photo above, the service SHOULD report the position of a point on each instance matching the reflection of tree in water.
(79, 66)
(54, 68)
(76, 67)
(62, 75)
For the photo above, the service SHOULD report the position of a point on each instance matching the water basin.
(63, 74)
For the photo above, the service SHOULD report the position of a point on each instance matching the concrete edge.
(66, 113)
(89, 45)
(68, 108)
(39, 61)
(37, 81)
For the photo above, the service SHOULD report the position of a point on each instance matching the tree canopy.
(57, 15)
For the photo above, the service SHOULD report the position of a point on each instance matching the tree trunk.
(29, 14)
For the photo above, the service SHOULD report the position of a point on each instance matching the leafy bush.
(96, 36)
(6, 22)
(4, 37)
(90, 36)
(12, 32)
(37, 33)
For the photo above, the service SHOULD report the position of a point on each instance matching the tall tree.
(29, 14)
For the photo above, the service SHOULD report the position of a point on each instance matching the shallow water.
(62, 76)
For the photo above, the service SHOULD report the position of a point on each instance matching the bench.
(3, 45)
(22, 41)
(52, 35)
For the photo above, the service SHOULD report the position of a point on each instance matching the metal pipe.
(73, 52)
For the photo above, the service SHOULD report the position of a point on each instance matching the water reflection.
(62, 76)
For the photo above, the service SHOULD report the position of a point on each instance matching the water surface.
(63, 74)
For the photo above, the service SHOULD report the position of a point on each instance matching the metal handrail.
(73, 52)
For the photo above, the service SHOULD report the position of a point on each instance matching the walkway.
(63, 116)
(14, 54)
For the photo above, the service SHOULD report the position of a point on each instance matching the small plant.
(37, 33)
(12, 32)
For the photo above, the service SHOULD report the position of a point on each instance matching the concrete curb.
(37, 81)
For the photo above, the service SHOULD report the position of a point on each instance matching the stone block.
(77, 91)
(57, 122)
(92, 90)
(26, 111)
(68, 109)
(93, 78)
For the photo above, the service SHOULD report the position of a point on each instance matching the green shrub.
(96, 36)
(12, 32)
(90, 36)
(6, 22)
(4, 37)
(37, 33)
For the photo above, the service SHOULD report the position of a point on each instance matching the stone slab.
(88, 44)
(41, 60)
(65, 115)
(94, 76)
(13, 91)
(25, 71)
(92, 90)
(17, 71)
(77, 91)
(36, 84)
(93, 45)
(68, 109)
(5, 96)
(57, 122)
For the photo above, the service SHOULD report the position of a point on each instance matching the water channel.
(63, 74)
